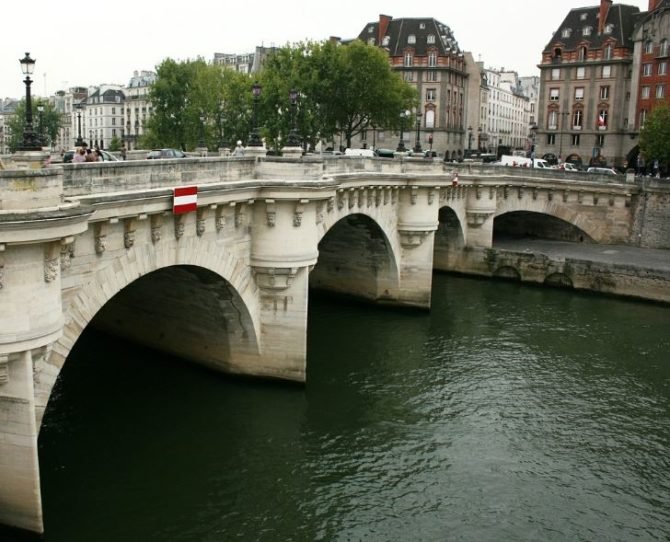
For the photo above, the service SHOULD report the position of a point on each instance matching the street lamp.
(40, 125)
(417, 145)
(221, 111)
(293, 139)
(201, 143)
(30, 140)
(469, 139)
(479, 138)
(79, 141)
(401, 143)
(533, 131)
(255, 140)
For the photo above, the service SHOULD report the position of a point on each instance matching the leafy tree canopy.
(45, 124)
(655, 136)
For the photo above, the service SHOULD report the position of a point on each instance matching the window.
(646, 92)
(430, 38)
(581, 72)
(411, 39)
(552, 120)
(555, 74)
(607, 71)
(430, 95)
(582, 16)
(582, 54)
(385, 41)
(432, 59)
(602, 119)
(579, 93)
(607, 52)
(371, 29)
(600, 140)
(604, 93)
(586, 31)
(113, 132)
(409, 59)
(566, 32)
(113, 110)
(660, 91)
(113, 121)
(609, 28)
(408, 76)
(663, 48)
(551, 139)
(430, 119)
(662, 68)
(577, 119)
(646, 70)
(575, 140)
(648, 46)
(432, 76)
(643, 117)
(553, 94)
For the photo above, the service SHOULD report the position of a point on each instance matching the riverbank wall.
(635, 279)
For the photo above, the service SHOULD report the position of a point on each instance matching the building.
(508, 118)
(7, 110)
(585, 86)
(428, 56)
(651, 55)
(477, 96)
(137, 107)
(246, 62)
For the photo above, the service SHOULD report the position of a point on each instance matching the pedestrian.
(90, 156)
(123, 152)
(239, 149)
(79, 156)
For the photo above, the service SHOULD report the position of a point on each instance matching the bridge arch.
(357, 257)
(198, 303)
(558, 224)
(449, 238)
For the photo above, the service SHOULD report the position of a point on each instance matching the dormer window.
(385, 41)
(586, 31)
(422, 26)
(430, 38)
(411, 39)
(566, 32)
(371, 29)
(583, 16)
(609, 28)
(371, 41)
(607, 53)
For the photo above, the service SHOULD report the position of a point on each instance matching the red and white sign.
(601, 119)
(185, 199)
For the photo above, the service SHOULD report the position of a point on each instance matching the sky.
(90, 45)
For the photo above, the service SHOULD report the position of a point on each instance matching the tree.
(188, 90)
(343, 89)
(45, 124)
(655, 136)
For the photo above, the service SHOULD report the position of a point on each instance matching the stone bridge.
(227, 285)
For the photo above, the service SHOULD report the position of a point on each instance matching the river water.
(506, 413)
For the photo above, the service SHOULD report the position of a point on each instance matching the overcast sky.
(88, 44)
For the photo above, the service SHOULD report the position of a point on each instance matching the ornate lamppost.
(469, 139)
(417, 145)
(401, 143)
(30, 140)
(40, 124)
(255, 140)
(79, 141)
(293, 140)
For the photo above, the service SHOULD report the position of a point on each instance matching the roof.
(399, 30)
(620, 17)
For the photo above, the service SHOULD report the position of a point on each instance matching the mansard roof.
(107, 96)
(620, 17)
(399, 30)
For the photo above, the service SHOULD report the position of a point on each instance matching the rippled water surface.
(506, 413)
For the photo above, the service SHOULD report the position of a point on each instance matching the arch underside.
(537, 225)
(356, 258)
(449, 240)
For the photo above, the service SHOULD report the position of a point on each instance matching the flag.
(185, 199)
(601, 119)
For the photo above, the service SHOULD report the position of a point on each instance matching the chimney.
(653, 4)
(384, 21)
(602, 14)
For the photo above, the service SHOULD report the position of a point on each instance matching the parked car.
(106, 156)
(602, 170)
(568, 166)
(156, 154)
(430, 154)
(385, 153)
(366, 153)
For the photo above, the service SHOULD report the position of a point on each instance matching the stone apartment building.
(586, 75)
(137, 107)
(428, 56)
(508, 119)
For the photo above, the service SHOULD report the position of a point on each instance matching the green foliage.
(115, 144)
(185, 91)
(45, 125)
(655, 136)
(342, 89)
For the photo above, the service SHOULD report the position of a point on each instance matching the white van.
(366, 153)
